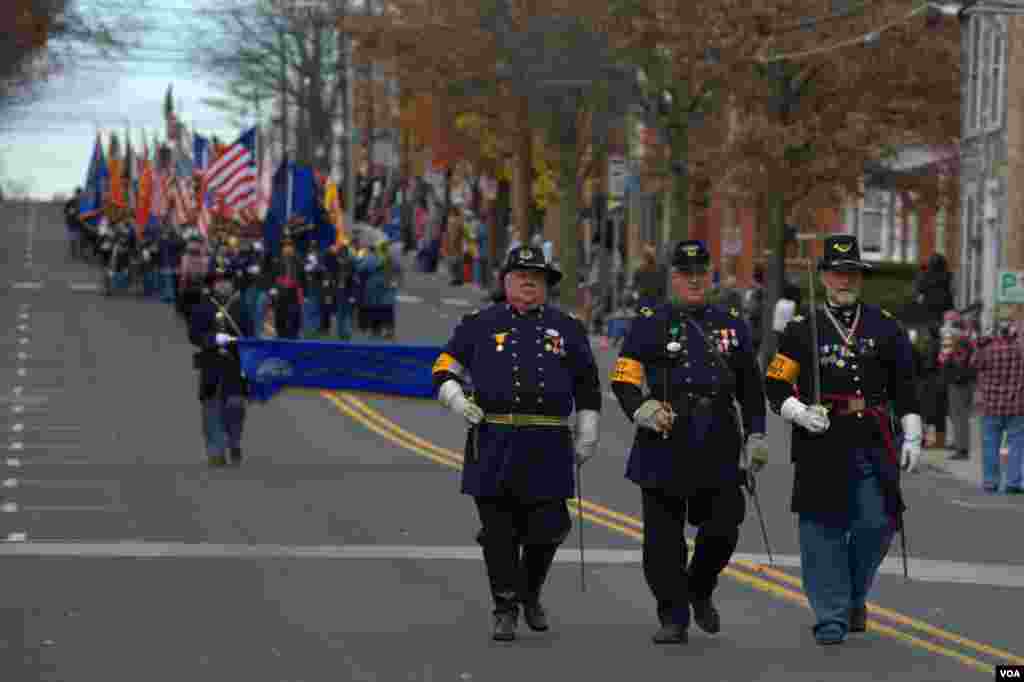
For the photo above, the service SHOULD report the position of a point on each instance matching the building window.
(974, 47)
(997, 90)
(874, 214)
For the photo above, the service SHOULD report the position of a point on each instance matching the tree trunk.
(522, 192)
(567, 204)
(680, 193)
(775, 274)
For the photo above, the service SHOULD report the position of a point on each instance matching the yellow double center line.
(742, 571)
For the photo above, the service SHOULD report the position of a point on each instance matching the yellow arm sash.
(628, 371)
(784, 369)
(446, 363)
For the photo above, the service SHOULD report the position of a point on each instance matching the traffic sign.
(1010, 286)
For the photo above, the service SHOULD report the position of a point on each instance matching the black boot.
(858, 619)
(505, 623)
(535, 616)
(671, 633)
(536, 564)
(706, 615)
(236, 456)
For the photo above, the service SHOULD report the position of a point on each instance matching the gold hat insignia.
(843, 248)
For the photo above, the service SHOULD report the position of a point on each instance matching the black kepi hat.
(691, 255)
(842, 253)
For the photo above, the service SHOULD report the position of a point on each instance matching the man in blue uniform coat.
(532, 366)
(704, 391)
(214, 329)
(846, 483)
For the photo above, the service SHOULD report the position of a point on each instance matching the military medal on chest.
(499, 341)
(553, 342)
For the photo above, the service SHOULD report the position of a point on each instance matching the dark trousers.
(718, 515)
(519, 540)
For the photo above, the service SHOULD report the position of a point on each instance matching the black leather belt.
(687, 402)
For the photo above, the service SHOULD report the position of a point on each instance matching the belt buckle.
(857, 405)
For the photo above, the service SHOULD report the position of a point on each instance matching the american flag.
(232, 177)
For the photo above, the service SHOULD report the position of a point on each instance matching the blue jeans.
(311, 313)
(150, 283)
(839, 557)
(167, 285)
(992, 430)
(344, 317)
(223, 419)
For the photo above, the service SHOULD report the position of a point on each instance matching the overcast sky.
(48, 145)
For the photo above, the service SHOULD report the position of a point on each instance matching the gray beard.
(843, 299)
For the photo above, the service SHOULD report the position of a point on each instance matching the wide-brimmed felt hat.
(531, 258)
(842, 253)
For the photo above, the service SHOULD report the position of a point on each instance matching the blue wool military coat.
(538, 363)
(220, 369)
(702, 451)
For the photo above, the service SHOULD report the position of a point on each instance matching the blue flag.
(304, 203)
(200, 152)
(97, 184)
(273, 364)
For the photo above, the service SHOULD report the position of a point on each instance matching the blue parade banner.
(273, 364)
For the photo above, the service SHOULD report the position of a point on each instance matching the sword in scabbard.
(750, 484)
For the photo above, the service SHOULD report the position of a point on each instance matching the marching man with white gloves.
(214, 327)
(685, 368)
(532, 367)
(847, 458)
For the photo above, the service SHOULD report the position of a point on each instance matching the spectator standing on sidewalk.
(999, 362)
(931, 383)
(933, 288)
(954, 361)
(650, 281)
(454, 238)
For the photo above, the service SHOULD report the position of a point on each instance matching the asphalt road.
(341, 550)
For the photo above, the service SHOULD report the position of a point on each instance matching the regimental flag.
(231, 178)
(97, 179)
(332, 202)
(144, 204)
(128, 173)
(200, 153)
(116, 196)
(304, 202)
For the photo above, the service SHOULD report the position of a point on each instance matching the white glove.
(912, 434)
(452, 397)
(755, 455)
(814, 419)
(254, 269)
(587, 422)
(222, 339)
(653, 415)
(310, 267)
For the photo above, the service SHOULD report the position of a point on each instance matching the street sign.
(1010, 286)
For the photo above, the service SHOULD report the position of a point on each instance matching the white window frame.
(996, 68)
(968, 258)
(886, 215)
(973, 76)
